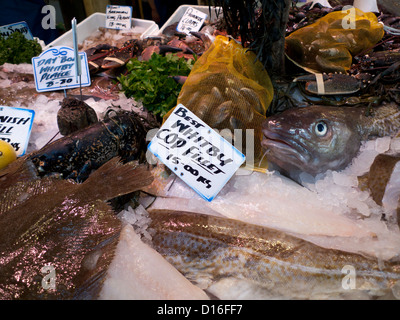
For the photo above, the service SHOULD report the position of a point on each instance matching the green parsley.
(151, 81)
(17, 49)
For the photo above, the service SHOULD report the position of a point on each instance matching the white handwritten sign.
(119, 17)
(21, 27)
(55, 69)
(194, 152)
(192, 20)
(15, 127)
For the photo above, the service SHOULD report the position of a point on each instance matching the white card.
(192, 20)
(196, 153)
(119, 17)
(15, 127)
(55, 69)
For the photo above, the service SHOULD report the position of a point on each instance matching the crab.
(106, 57)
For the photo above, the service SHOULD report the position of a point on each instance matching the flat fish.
(58, 237)
(207, 249)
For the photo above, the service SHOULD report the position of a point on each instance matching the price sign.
(21, 27)
(15, 127)
(192, 20)
(194, 152)
(55, 69)
(119, 17)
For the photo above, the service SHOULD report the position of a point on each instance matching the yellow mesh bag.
(329, 44)
(228, 88)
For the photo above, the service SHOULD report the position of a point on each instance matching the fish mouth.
(282, 149)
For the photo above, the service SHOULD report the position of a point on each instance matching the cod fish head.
(311, 139)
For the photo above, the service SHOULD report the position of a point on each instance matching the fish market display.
(58, 237)
(84, 216)
(316, 139)
(207, 249)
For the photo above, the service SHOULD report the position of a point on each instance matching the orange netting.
(228, 88)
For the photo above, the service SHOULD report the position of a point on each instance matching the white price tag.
(196, 153)
(192, 20)
(55, 69)
(119, 17)
(15, 127)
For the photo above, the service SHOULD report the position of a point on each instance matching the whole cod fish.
(315, 139)
(207, 249)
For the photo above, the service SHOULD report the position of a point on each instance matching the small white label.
(55, 69)
(119, 17)
(196, 153)
(15, 127)
(22, 27)
(192, 20)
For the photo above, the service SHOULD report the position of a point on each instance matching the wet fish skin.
(213, 248)
(293, 144)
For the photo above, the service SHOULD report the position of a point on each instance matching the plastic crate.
(178, 14)
(92, 23)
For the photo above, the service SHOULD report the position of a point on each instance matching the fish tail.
(115, 179)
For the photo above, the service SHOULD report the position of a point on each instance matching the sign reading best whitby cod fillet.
(197, 154)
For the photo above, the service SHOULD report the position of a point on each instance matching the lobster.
(76, 155)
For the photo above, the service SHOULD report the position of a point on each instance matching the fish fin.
(114, 179)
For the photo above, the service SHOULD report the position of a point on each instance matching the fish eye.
(321, 128)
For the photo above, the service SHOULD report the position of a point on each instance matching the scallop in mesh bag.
(229, 89)
(329, 44)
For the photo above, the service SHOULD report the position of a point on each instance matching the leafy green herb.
(151, 81)
(17, 49)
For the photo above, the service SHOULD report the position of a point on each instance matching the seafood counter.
(89, 213)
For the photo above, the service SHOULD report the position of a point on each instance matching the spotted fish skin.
(208, 248)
